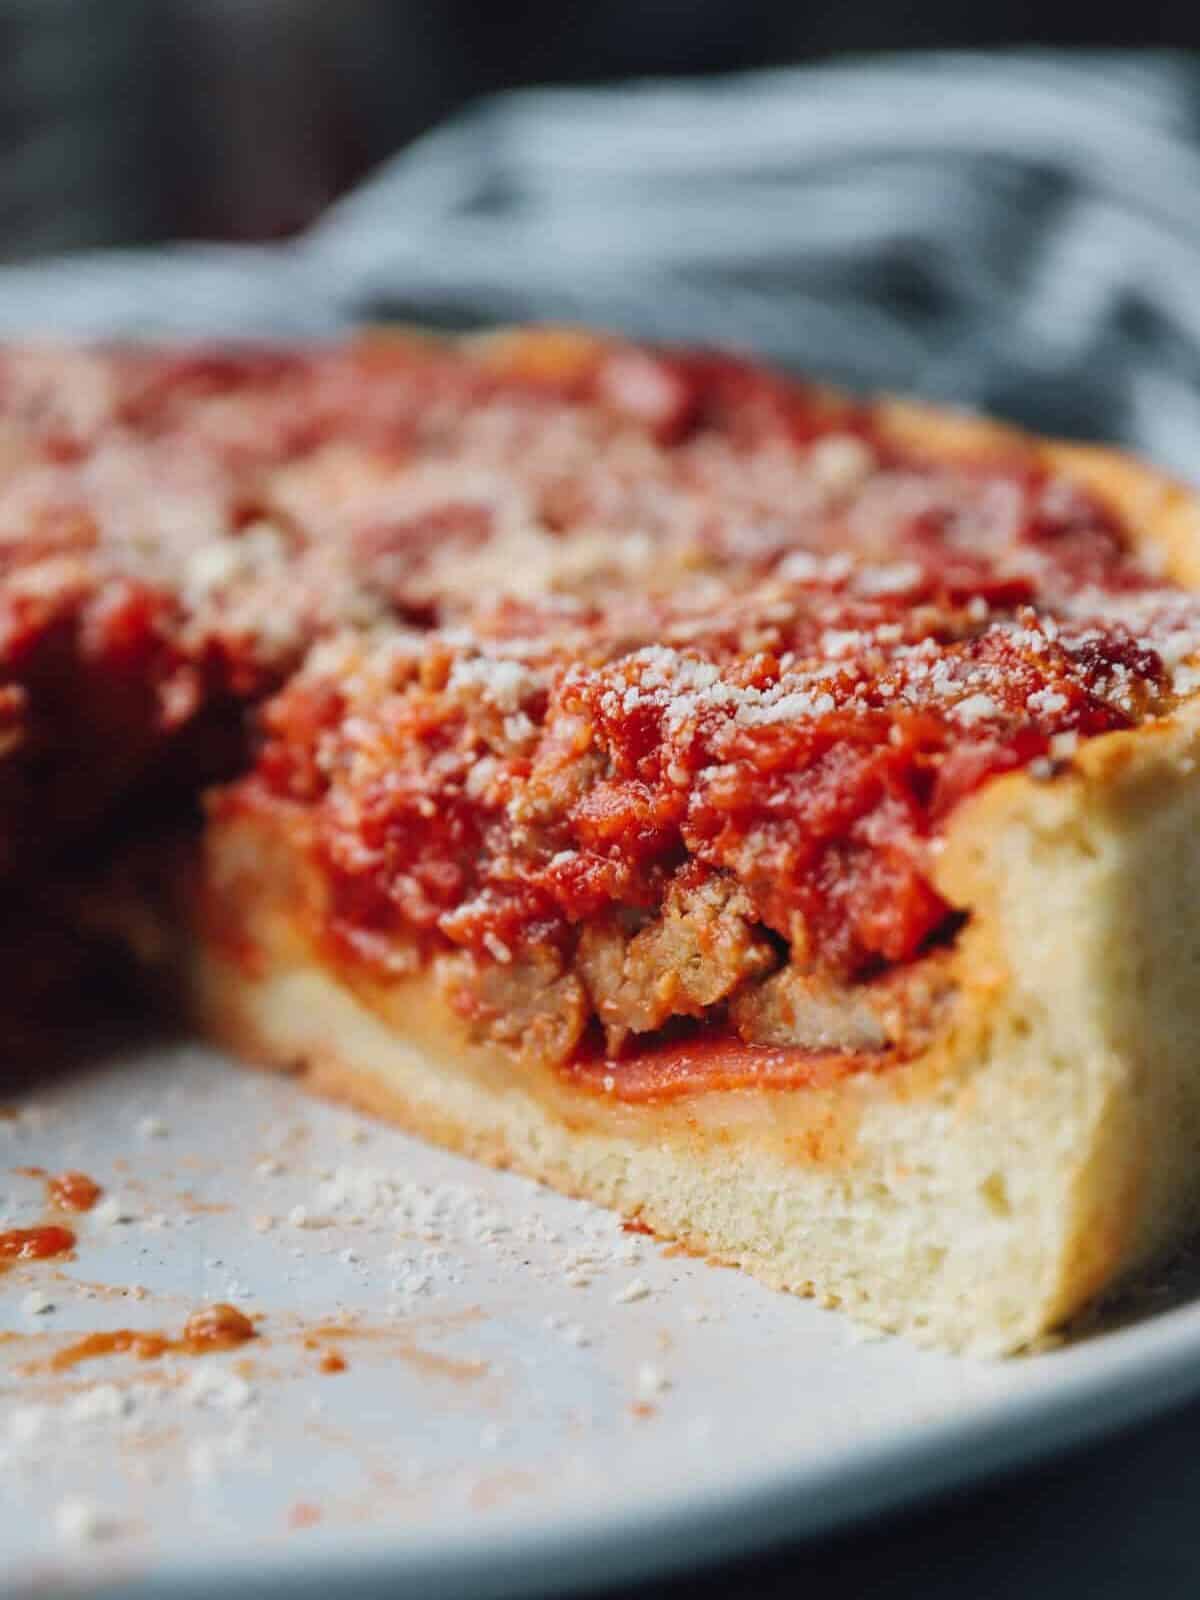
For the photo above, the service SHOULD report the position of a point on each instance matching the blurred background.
(992, 205)
(132, 120)
(136, 120)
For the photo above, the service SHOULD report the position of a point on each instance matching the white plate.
(516, 1414)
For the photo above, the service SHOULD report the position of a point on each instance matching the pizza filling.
(178, 527)
(627, 692)
(591, 834)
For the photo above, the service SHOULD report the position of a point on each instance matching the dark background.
(126, 121)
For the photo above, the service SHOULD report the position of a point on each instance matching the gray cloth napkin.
(1017, 231)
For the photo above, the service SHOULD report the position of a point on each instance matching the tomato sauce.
(212, 1328)
(859, 638)
(753, 636)
(42, 1243)
(73, 1191)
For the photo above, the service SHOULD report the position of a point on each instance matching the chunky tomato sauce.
(571, 633)
(178, 527)
(497, 790)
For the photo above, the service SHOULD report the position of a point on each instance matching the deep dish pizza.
(767, 814)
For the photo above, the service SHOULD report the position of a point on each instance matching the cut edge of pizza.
(1008, 1126)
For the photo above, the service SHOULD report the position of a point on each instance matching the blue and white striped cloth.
(1018, 231)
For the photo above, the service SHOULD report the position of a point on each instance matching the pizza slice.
(830, 908)
(767, 814)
